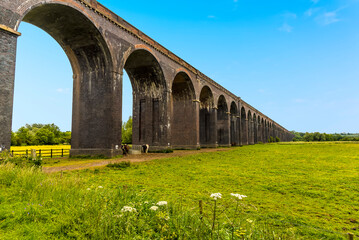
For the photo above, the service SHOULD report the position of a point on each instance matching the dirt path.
(131, 158)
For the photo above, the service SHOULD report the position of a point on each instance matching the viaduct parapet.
(174, 105)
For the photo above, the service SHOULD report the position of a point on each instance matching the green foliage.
(127, 131)
(322, 137)
(272, 139)
(39, 134)
(20, 161)
(277, 139)
(120, 165)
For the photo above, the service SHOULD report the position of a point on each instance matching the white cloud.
(289, 15)
(286, 28)
(63, 90)
(327, 18)
(315, 1)
(311, 11)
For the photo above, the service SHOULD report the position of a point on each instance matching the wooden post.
(62, 152)
(27, 153)
(33, 154)
(51, 153)
(350, 236)
(40, 152)
(201, 208)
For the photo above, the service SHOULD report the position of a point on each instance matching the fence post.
(40, 152)
(12, 153)
(62, 152)
(351, 236)
(51, 153)
(27, 153)
(33, 154)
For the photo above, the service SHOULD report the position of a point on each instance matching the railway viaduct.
(174, 104)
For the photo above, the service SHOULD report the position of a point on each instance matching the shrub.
(120, 165)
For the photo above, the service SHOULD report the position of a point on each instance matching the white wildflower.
(239, 196)
(161, 203)
(128, 209)
(215, 196)
(249, 220)
(154, 208)
(88, 189)
(100, 187)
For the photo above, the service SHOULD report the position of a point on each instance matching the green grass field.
(295, 191)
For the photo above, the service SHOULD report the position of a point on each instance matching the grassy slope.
(308, 190)
(313, 185)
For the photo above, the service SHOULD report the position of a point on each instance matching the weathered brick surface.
(7, 71)
(168, 111)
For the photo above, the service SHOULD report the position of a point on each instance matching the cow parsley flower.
(215, 196)
(239, 196)
(128, 209)
(88, 189)
(154, 208)
(100, 187)
(161, 203)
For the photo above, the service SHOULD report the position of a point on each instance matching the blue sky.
(296, 61)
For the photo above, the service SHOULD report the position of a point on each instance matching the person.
(145, 148)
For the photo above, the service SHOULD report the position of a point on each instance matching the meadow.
(294, 191)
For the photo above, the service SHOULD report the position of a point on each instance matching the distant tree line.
(319, 137)
(40, 134)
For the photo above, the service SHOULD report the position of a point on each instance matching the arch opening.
(259, 130)
(244, 127)
(250, 128)
(207, 117)
(91, 62)
(234, 125)
(149, 99)
(222, 122)
(183, 124)
(255, 129)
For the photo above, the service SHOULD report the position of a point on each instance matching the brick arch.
(223, 137)
(183, 120)
(207, 118)
(234, 124)
(92, 65)
(149, 98)
(244, 126)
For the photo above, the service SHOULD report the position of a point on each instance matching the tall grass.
(38, 206)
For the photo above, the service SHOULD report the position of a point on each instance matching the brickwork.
(7, 65)
(174, 104)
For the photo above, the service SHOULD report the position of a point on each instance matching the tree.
(45, 137)
(44, 134)
(127, 131)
